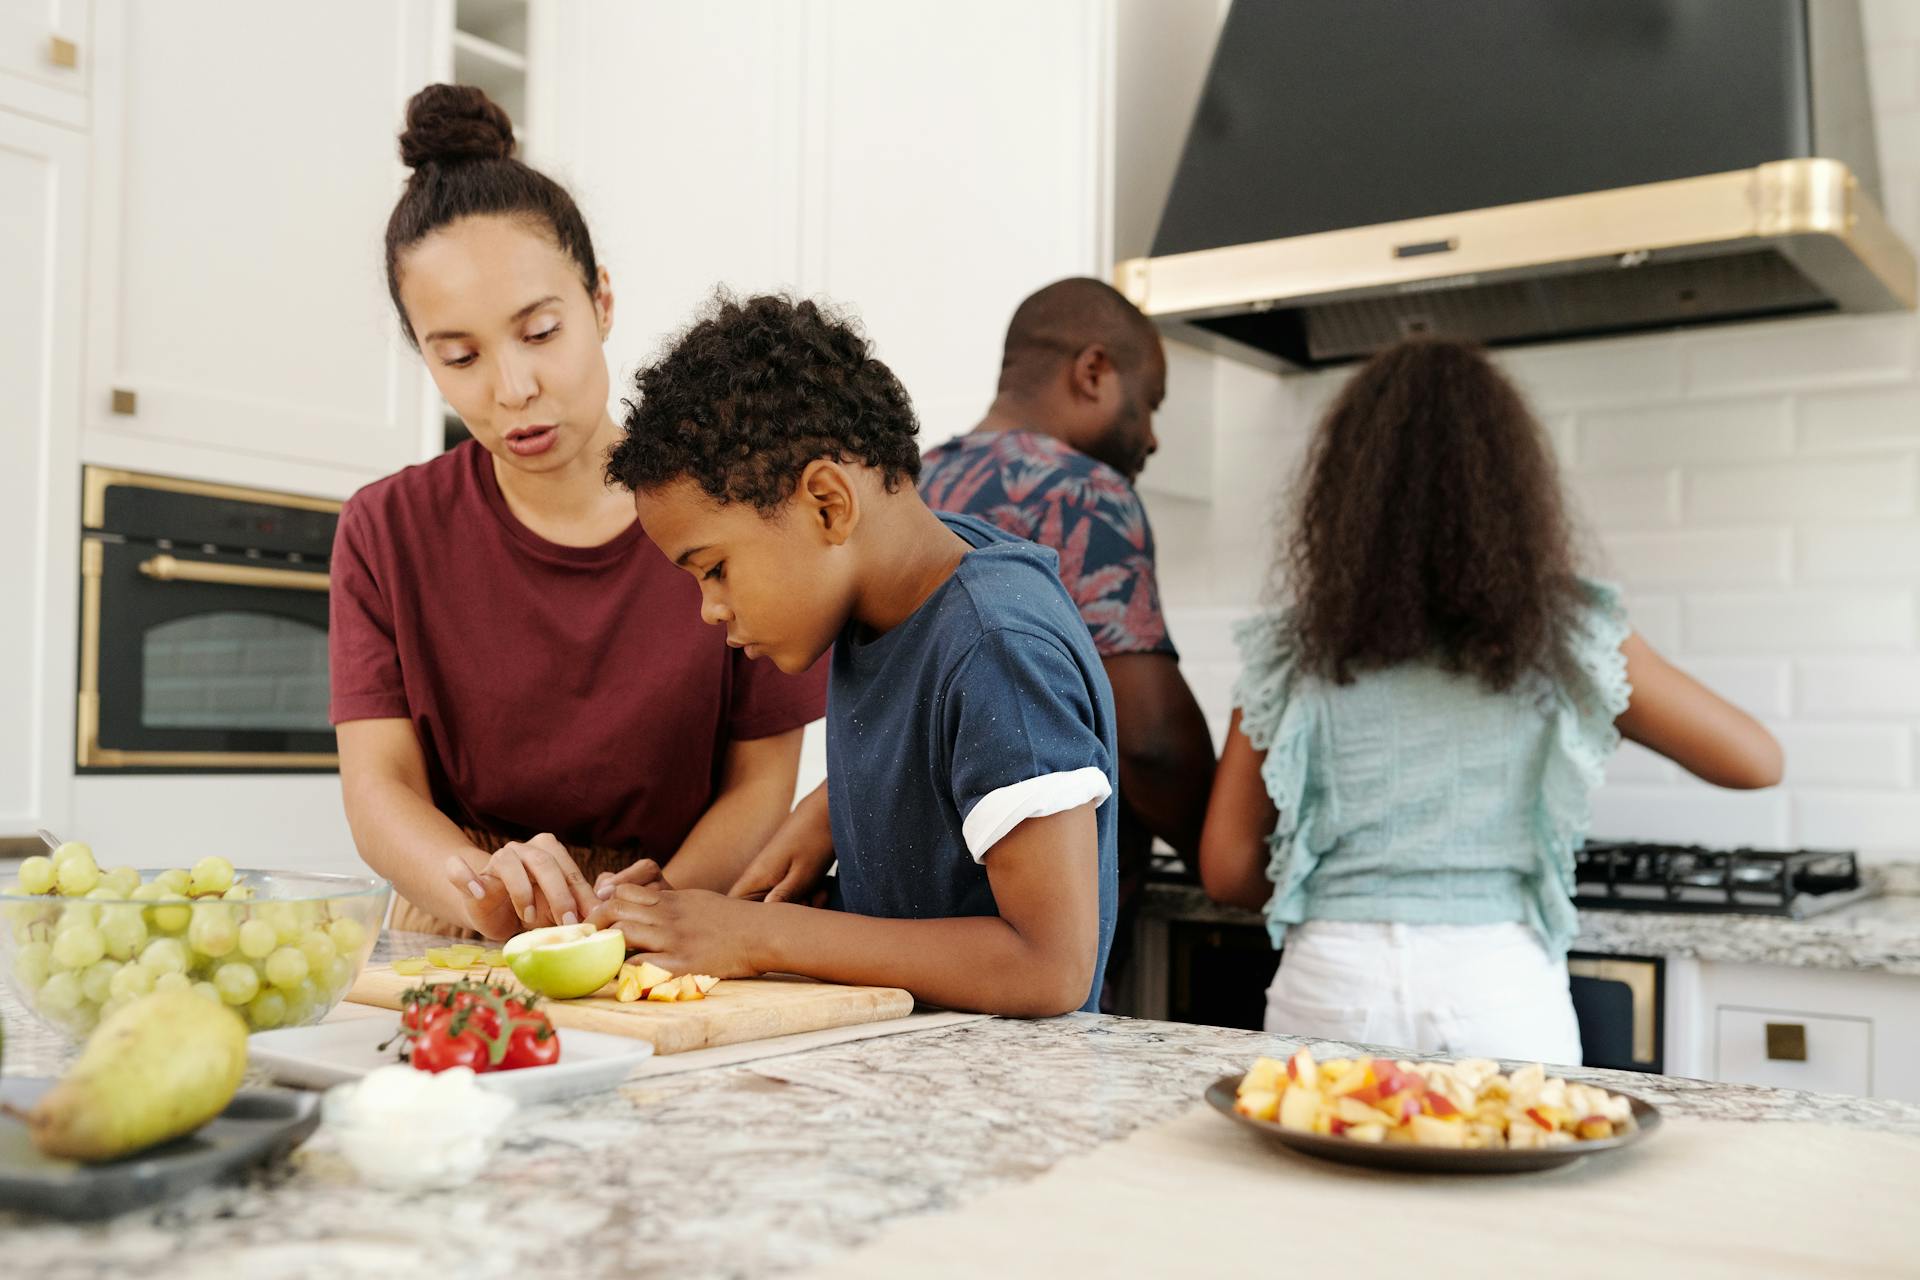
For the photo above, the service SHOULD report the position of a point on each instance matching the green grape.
(77, 876)
(209, 991)
(285, 967)
(303, 1002)
(173, 880)
(125, 930)
(103, 893)
(179, 982)
(113, 1006)
(239, 893)
(96, 980)
(319, 950)
(72, 849)
(236, 982)
(167, 917)
(151, 891)
(165, 955)
(268, 1009)
(32, 963)
(78, 946)
(347, 935)
(36, 874)
(60, 993)
(122, 880)
(32, 929)
(339, 974)
(213, 931)
(212, 874)
(76, 914)
(135, 980)
(257, 939)
(286, 923)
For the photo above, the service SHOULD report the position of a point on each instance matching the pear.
(162, 1066)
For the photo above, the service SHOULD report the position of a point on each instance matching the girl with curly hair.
(1416, 733)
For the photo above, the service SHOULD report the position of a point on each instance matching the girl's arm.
(1672, 713)
(1240, 817)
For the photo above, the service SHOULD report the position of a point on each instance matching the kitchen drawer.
(1838, 1052)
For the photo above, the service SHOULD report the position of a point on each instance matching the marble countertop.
(1880, 934)
(746, 1170)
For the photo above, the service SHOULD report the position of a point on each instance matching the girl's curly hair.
(1432, 525)
(755, 390)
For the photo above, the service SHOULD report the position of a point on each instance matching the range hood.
(1518, 171)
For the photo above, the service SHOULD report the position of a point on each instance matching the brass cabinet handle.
(125, 402)
(1786, 1042)
(165, 568)
(62, 52)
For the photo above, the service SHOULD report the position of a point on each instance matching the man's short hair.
(1057, 323)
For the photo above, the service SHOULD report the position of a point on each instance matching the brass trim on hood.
(1813, 212)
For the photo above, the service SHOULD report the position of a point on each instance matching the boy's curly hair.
(751, 393)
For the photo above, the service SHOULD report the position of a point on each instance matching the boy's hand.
(783, 874)
(683, 930)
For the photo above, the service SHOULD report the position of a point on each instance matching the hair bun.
(454, 124)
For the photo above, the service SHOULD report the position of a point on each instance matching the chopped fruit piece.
(441, 958)
(1299, 1108)
(410, 967)
(705, 982)
(1595, 1127)
(1265, 1074)
(464, 954)
(1261, 1104)
(648, 974)
(492, 959)
(1300, 1069)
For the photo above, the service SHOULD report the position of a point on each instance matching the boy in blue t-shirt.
(970, 743)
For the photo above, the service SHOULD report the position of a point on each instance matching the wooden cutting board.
(738, 1009)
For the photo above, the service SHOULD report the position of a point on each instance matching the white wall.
(1756, 489)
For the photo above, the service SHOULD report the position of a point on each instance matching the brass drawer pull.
(1786, 1042)
(62, 52)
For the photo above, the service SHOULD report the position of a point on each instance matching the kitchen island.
(746, 1170)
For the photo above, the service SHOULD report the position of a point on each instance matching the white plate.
(330, 1053)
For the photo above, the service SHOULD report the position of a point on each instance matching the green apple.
(566, 961)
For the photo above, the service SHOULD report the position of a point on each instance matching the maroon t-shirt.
(565, 689)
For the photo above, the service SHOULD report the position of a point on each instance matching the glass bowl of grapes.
(279, 948)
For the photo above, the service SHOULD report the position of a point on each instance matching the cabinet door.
(45, 53)
(1785, 1050)
(245, 165)
(958, 164)
(42, 226)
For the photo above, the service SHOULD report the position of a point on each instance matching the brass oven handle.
(166, 568)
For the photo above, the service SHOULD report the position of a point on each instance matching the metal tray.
(257, 1126)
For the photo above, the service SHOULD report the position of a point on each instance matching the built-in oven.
(203, 627)
(1621, 1004)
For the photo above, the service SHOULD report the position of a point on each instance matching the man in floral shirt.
(1054, 460)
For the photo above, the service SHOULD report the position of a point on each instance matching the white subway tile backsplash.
(1693, 812)
(1849, 755)
(1797, 354)
(1579, 375)
(1634, 763)
(1661, 435)
(1858, 553)
(1850, 421)
(1854, 489)
(1864, 820)
(1758, 686)
(1875, 687)
(1205, 634)
(1890, 22)
(1657, 619)
(1627, 500)
(1799, 622)
(1699, 557)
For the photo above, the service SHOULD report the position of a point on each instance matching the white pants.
(1480, 991)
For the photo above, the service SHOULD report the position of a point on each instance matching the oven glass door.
(204, 660)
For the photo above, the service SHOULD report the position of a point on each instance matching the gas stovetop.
(1630, 876)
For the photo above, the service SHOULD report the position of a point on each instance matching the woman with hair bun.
(529, 707)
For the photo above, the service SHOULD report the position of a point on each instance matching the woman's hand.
(684, 930)
(534, 883)
(784, 872)
(646, 871)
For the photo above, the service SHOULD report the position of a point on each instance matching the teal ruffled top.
(1416, 796)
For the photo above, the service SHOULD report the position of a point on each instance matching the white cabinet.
(924, 167)
(244, 167)
(42, 229)
(45, 59)
(1826, 1030)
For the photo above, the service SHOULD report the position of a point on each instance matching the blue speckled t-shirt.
(987, 706)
